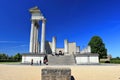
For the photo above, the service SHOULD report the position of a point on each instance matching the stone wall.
(26, 58)
(72, 48)
(56, 74)
(87, 58)
(59, 49)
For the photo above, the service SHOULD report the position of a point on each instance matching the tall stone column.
(38, 47)
(53, 45)
(78, 49)
(36, 16)
(36, 41)
(31, 37)
(88, 49)
(66, 46)
(43, 36)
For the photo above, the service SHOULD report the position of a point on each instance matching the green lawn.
(10, 62)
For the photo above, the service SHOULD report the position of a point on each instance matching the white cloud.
(10, 42)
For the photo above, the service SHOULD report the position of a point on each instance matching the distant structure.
(37, 50)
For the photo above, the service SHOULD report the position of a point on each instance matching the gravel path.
(86, 72)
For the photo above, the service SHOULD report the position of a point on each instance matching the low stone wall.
(108, 59)
(51, 73)
(26, 58)
(87, 58)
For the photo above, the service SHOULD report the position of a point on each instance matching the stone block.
(51, 73)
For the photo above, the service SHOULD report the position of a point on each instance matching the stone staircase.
(61, 60)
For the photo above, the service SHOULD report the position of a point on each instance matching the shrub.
(116, 61)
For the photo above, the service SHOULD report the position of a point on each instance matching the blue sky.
(75, 20)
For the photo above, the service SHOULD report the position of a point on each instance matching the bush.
(8, 60)
(115, 61)
(5, 58)
(102, 61)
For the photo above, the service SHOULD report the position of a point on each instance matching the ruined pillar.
(43, 36)
(35, 18)
(66, 46)
(53, 45)
(78, 49)
(31, 37)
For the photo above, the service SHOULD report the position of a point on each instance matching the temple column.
(43, 36)
(35, 37)
(31, 37)
(78, 49)
(36, 16)
(66, 46)
(36, 41)
(88, 49)
(53, 45)
(38, 47)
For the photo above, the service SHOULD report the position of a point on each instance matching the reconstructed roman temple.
(71, 54)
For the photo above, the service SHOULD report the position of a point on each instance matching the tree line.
(6, 58)
(96, 43)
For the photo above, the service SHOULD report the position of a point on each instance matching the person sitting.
(60, 52)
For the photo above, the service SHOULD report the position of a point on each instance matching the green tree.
(18, 57)
(3, 56)
(97, 46)
(117, 57)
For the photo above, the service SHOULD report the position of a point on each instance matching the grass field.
(10, 62)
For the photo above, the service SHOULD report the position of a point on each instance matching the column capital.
(33, 20)
(44, 20)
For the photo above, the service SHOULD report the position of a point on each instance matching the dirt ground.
(86, 72)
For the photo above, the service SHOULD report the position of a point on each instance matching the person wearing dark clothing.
(45, 59)
(40, 62)
(31, 61)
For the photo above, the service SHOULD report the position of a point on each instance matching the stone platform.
(36, 57)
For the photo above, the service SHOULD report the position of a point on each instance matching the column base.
(66, 53)
(53, 53)
(42, 53)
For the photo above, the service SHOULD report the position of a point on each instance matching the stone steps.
(61, 60)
